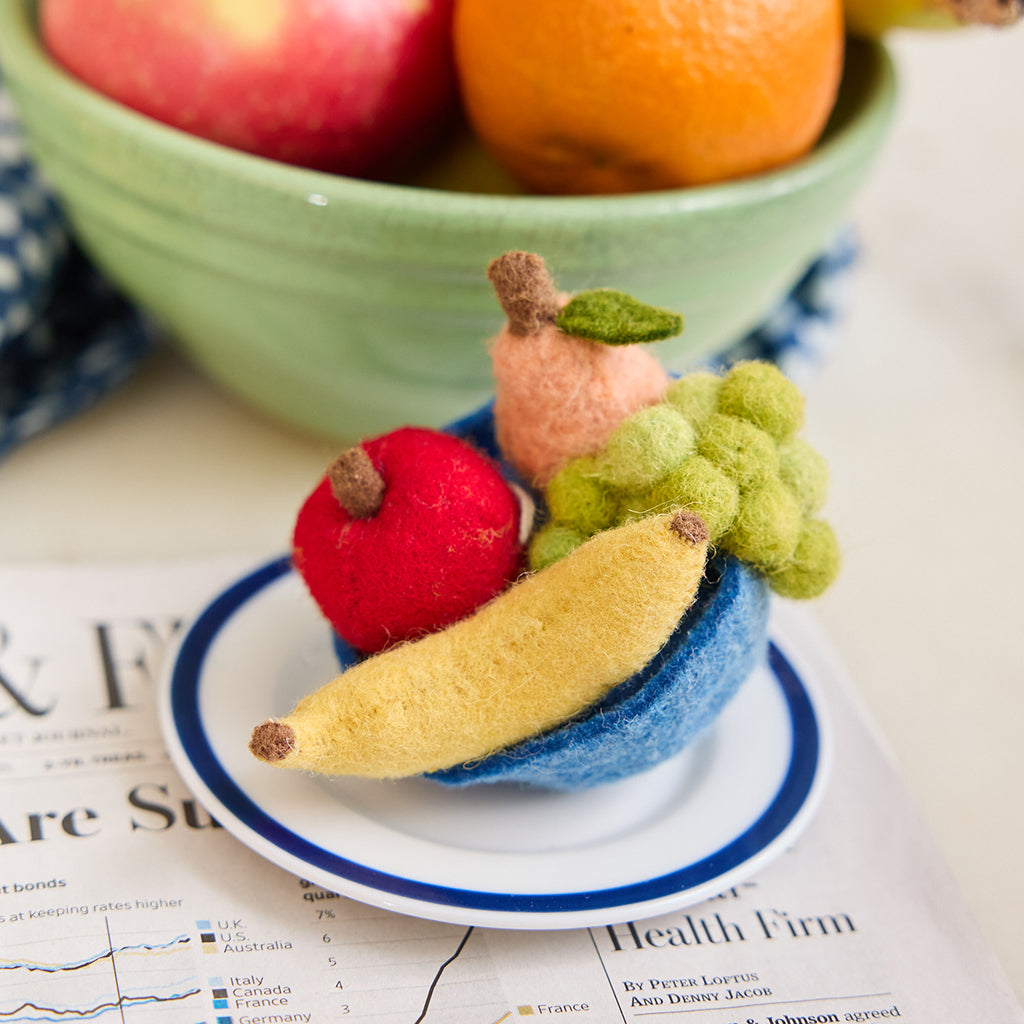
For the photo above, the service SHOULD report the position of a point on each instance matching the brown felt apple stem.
(525, 291)
(355, 483)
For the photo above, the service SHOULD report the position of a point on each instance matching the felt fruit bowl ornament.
(596, 640)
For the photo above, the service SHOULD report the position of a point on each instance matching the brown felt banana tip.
(355, 483)
(525, 291)
(689, 526)
(272, 741)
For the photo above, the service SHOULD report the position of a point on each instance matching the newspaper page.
(122, 899)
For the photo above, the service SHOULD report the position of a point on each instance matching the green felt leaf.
(616, 318)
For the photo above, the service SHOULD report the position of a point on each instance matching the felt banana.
(873, 18)
(532, 658)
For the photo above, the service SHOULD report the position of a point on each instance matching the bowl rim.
(22, 51)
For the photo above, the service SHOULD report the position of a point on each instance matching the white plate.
(492, 855)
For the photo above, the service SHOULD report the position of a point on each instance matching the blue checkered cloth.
(800, 334)
(67, 337)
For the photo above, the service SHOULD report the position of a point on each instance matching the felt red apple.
(348, 86)
(405, 534)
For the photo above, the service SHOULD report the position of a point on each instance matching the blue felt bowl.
(655, 713)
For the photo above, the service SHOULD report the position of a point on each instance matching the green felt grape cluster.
(725, 447)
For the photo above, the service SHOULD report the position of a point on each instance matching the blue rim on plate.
(185, 718)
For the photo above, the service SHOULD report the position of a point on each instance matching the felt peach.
(558, 395)
(405, 534)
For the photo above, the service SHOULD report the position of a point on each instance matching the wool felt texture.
(658, 711)
(604, 314)
(814, 564)
(534, 657)
(695, 395)
(634, 505)
(646, 447)
(740, 449)
(767, 525)
(755, 492)
(655, 712)
(703, 488)
(580, 494)
(443, 541)
(551, 543)
(525, 291)
(762, 394)
(355, 483)
(557, 396)
(805, 470)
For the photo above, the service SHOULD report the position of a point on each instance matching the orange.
(593, 96)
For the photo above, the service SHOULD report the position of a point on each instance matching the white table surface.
(920, 411)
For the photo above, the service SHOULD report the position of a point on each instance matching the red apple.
(357, 87)
(405, 534)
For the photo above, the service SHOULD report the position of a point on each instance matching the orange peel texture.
(628, 95)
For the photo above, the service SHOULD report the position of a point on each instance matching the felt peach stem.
(525, 291)
(355, 483)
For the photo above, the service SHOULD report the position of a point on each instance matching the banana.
(873, 18)
(535, 656)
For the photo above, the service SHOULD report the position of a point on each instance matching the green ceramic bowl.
(349, 307)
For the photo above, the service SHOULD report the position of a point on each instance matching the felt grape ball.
(578, 496)
(762, 394)
(405, 534)
(767, 526)
(695, 396)
(805, 470)
(701, 487)
(635, 505)
(646, 447)
(552, 543)
(814, 565)
(740, 449)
